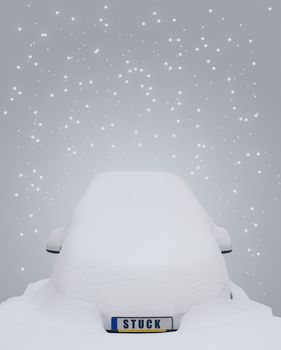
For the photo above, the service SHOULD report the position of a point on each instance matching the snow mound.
(139, 243)
(42, 319)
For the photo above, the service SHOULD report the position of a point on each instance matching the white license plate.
(141, 324)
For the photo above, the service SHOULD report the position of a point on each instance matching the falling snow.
(103, 92)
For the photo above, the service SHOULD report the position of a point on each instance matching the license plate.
(141, 324)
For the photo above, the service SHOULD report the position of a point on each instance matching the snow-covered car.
(141, 248)
(138, 255)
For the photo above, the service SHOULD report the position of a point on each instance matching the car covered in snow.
(142, 249)
(139, 254)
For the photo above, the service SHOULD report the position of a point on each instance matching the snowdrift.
(41, 319)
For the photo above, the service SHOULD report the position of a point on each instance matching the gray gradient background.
(141, 102)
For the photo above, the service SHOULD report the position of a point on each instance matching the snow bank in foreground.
(139, 243)
(41, 319)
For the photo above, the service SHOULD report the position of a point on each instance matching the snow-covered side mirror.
(224, 240)
(55, 240)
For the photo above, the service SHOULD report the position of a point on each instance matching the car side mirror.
(223, 239)
(55, 240)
